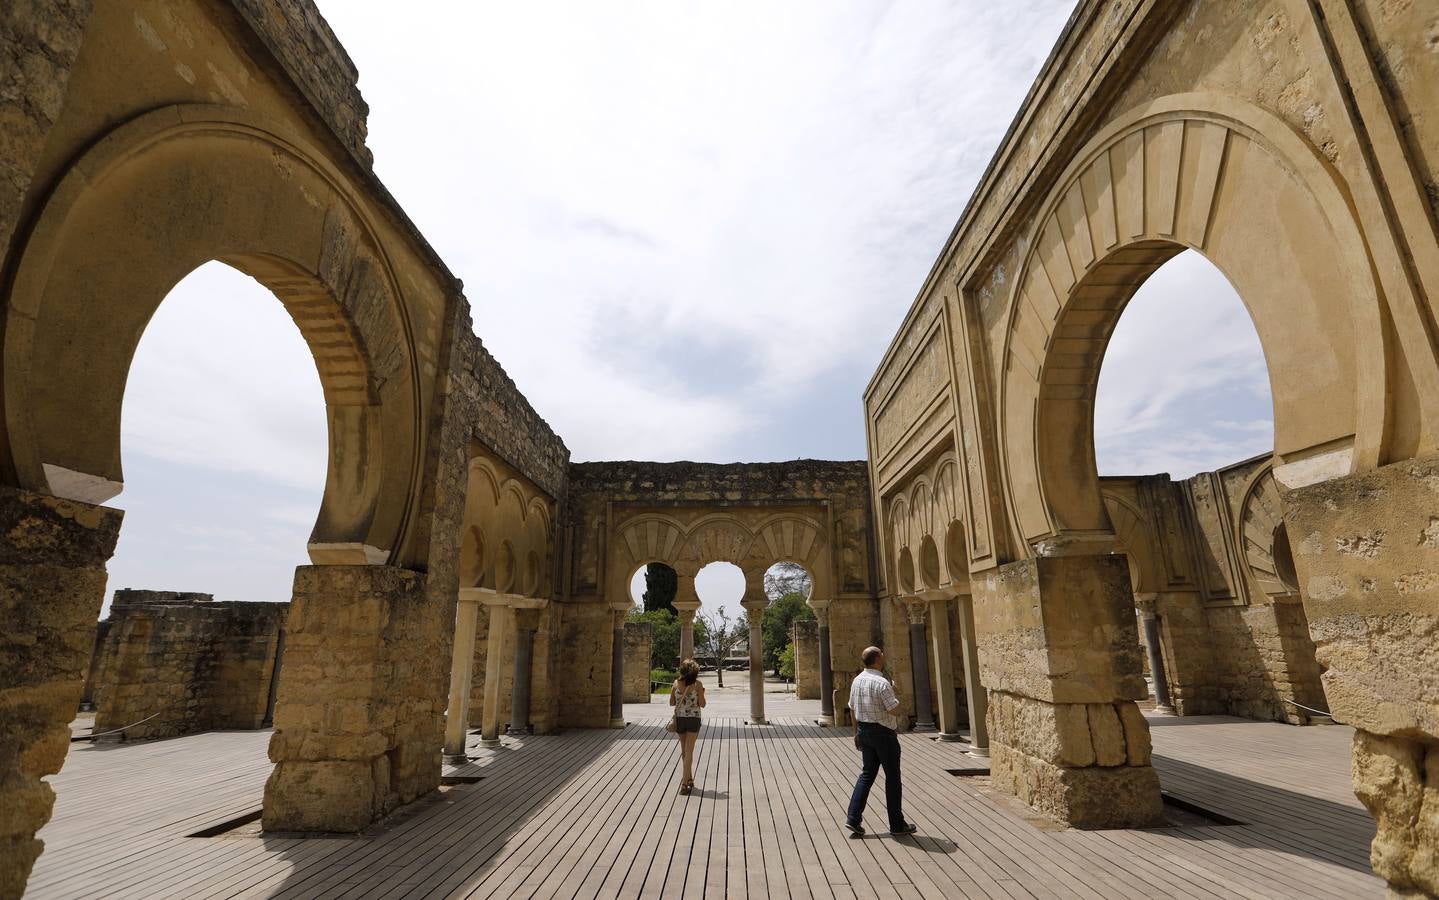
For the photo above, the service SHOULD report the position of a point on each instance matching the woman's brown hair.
(689, 671)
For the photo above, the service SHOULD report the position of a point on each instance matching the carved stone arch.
(901, 555)
(147, 204)
(946, 513)
(1260, 532)
(482, 498)
(1135, 540)
(652, 538)
(795, 539)
(1233, 182)
(719, 537)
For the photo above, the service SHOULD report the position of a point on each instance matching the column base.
(825, 721)
(978, 752)
(490, 743)
(453, 759)
(617, 723)
(757, 721)
(1165, 711)
(924, 728)
(949, 737)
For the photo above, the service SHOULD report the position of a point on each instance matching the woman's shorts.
(685, 724)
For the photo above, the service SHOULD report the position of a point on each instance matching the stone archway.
(146, 205)
(1186, 172)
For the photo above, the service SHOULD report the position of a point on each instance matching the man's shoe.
(855, 828)
(906, 828)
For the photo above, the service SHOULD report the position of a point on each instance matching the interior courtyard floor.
(596, 813)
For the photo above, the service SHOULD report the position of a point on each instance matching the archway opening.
(225, 448)
(788, 587)
(1184, 392)
(652, 588)
(720, 587)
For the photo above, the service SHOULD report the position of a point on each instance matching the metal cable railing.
(91, 737)
(1317, 712)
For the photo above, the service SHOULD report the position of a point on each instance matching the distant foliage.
(786, 661)
(665, 635)
(779, 616)
(787, 578)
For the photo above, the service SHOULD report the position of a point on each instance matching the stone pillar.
(524, 654)
(52, 583)
(826, 668)
(501, 621)
(1154, 650)
(1059, 651)
(943, 665)
(617, 667)
(357, 724)
(755, 614)
(916, 608)
(462, 671)
(975, 695)
(1366, 552)
(687, 629)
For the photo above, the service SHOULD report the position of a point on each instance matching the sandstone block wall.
(805, 636)
(194, 664)
(92, 674)
(639, 640)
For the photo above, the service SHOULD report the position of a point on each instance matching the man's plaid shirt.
(872, 699)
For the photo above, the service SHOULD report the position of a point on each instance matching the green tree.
(661, 583)
(779, 616)
(721, 636)
(786, 661)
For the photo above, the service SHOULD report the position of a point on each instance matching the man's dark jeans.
(880, 747)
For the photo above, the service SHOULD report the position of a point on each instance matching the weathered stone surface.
(181, 663)
(52, 582)
(358, 721)
(1060, 629)
(805, 635)
(1397, 780)
(1370, 574)
(638, 641)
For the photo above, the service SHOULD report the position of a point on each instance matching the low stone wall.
(192, 663)
(805, 635)
(639, 639)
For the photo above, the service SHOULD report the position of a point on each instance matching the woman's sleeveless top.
(687, 701)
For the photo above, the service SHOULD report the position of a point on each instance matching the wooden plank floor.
(597, 814)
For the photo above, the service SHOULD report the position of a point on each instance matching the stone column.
(916, 608)
(687, 629)
(1155, 651)
(826, 669)
(357, 723)
(462, 676)
(617, 667)
(52, 583)
(1366, 552)
(943, 665)
(520, 692)
(501, 621)
(755, 613)
(975, 696)
(1059, 651)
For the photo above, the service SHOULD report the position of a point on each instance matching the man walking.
(872, 702)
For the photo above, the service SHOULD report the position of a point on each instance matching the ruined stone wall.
(92, 674)
(584, 644)
(639, 640)
(193, 663)
(804, 634)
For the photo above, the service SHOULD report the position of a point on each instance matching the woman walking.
(688, 698)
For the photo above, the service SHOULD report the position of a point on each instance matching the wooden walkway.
(596, 814)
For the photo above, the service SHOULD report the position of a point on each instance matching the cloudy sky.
(688, 231)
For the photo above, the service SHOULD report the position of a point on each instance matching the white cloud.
(688, 231)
